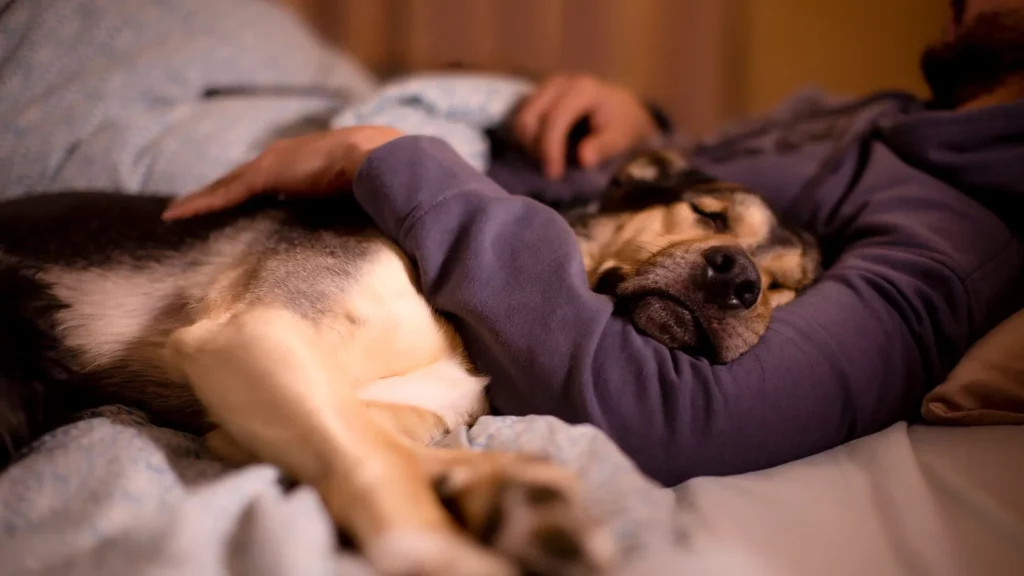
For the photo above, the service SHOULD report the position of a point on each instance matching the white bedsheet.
(923, 500)
(114, 495)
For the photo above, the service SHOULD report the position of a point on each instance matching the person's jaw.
(981, 62)
(1012, 90)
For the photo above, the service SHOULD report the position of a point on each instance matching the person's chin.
(984, 52)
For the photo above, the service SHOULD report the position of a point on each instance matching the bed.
(113, 494)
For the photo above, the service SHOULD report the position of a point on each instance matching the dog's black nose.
(733, 281)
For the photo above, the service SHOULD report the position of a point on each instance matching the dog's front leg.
(410, 423)
(268, 378)
(525, 507)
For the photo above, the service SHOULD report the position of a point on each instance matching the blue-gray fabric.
(166, 96)
(114, 495)
(114, 94)
(457, 107)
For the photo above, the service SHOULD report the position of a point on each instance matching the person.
(913, 202)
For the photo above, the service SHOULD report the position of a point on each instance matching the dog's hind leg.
(270, 380)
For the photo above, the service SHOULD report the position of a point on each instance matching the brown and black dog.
(293, 333)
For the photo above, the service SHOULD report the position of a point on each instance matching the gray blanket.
(165, 96)
(112, 494)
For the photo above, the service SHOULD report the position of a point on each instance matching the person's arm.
(850, 356)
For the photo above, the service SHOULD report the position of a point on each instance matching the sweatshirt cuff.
(403, 179)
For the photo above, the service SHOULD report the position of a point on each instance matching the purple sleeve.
(851, 356)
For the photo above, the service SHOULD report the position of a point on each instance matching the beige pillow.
(987, 386)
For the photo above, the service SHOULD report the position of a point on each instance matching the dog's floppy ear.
(659, 169)
(652, 168)
(650, 178)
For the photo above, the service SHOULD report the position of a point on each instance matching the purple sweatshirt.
(920, 265)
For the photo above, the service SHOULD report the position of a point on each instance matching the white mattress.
(923, 500)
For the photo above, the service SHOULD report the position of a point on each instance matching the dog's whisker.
(652, 248)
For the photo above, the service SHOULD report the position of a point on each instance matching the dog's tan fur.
(345, 390)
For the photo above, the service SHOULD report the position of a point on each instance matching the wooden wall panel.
(844, 47)
(705, 61)
(672, 51)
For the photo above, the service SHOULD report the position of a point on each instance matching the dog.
(293, 332)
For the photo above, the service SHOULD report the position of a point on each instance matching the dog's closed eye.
(717, 220)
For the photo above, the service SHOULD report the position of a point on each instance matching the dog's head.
(698, 264)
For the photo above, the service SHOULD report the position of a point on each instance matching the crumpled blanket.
(112, 494)
(456, 107)
(146, 95)
(153, 95)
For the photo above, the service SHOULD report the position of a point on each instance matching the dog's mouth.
(670, 321)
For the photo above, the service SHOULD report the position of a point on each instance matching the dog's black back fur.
(38, 388)
(30, 361)
(90, 228)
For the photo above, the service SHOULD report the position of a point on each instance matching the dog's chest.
(382, 321)
(397, 348)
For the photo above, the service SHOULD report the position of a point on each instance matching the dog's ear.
(649, 178)
(660, 168)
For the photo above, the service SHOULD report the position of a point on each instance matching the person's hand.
(314, 165)
(618, 121)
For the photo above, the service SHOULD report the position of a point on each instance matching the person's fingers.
(617, 123)
(196, 204)
(532, 110)
(231, 190)
(603, 143)
(589, 153)
(556, 124)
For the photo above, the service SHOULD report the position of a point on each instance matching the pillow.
(987, 386)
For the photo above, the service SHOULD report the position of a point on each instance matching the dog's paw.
(418, 553)
(530, 511)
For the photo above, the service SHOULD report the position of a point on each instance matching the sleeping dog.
(293, 332)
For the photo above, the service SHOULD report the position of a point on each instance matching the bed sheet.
(113, 494)
(912, 500)
(146, 95)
